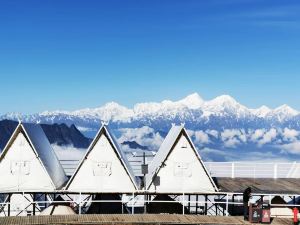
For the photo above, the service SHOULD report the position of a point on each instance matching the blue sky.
(74, 54)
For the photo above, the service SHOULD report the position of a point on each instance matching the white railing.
(224, 200)
(253, 169)
(222, 169)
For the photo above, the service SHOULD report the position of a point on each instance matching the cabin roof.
(37, 139)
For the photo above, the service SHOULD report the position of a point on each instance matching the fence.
(253, 170)
(222, 203)
(221, 169)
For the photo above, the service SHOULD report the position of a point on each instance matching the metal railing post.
(232, 170)
(23, 202)
(227, 204)
(9, 198)
(275, 170)
(183, 201)
(132, 207)
(79, 206)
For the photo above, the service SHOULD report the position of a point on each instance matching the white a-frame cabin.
(104, 168)
(28, 163)
(177, 167)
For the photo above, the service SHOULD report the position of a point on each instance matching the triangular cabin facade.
(177, 167)
(28, 162)
(104, 168)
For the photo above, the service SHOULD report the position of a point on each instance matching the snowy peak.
(287, 110)
(261, 112)
(283, 113)
(224, 104)
(168, 107)
(224, 100)
(110, 111)
(193, 101)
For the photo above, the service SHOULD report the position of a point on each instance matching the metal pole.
(45, 204)
(205, 205)
(132, 208)
(196, 204)
(275, 171)
(33, 204)
(226, 204)
(9, 196)
(145, 203)
(183, 203)
(216, 206)
(23, 202)
(79, 206)
(189, 203)
(232, 206)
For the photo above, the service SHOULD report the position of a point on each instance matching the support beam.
(189, 203)
(33, 204)
(205, 205)
(232, 205)
(8, 210)
(183, 203)
(216, 205)
(196, 204)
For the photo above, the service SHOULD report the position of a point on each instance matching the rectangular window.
(20, 167)
(102, 169)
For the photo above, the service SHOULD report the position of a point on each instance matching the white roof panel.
(45, 152)
(163, 152)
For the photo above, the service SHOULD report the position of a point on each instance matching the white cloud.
(233, 137)
(290, 134)
(201, 137)
(243, 136)
(190, 132)
(86, 129)
(291, 147)
(268, 137)
(231, 143)
(259, 133)
(68, 152)
(213, 133)
(228, 134)
(145, 136)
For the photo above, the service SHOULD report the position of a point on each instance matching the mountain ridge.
(220, 126)
(220, 106)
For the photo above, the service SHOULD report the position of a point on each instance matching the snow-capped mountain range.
(192, 107)
(221, 124)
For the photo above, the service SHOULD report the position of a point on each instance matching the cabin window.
(182, 169)
(102, 169)
(20, 167)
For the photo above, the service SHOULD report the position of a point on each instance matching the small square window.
(102, 169)
(20, 167)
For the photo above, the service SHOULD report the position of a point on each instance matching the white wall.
(93, 177)
(192, 176)
(15, 177)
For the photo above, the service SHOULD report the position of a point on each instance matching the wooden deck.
(132, 220)
(260, 185)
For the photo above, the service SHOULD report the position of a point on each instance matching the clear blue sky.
(69, 54)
